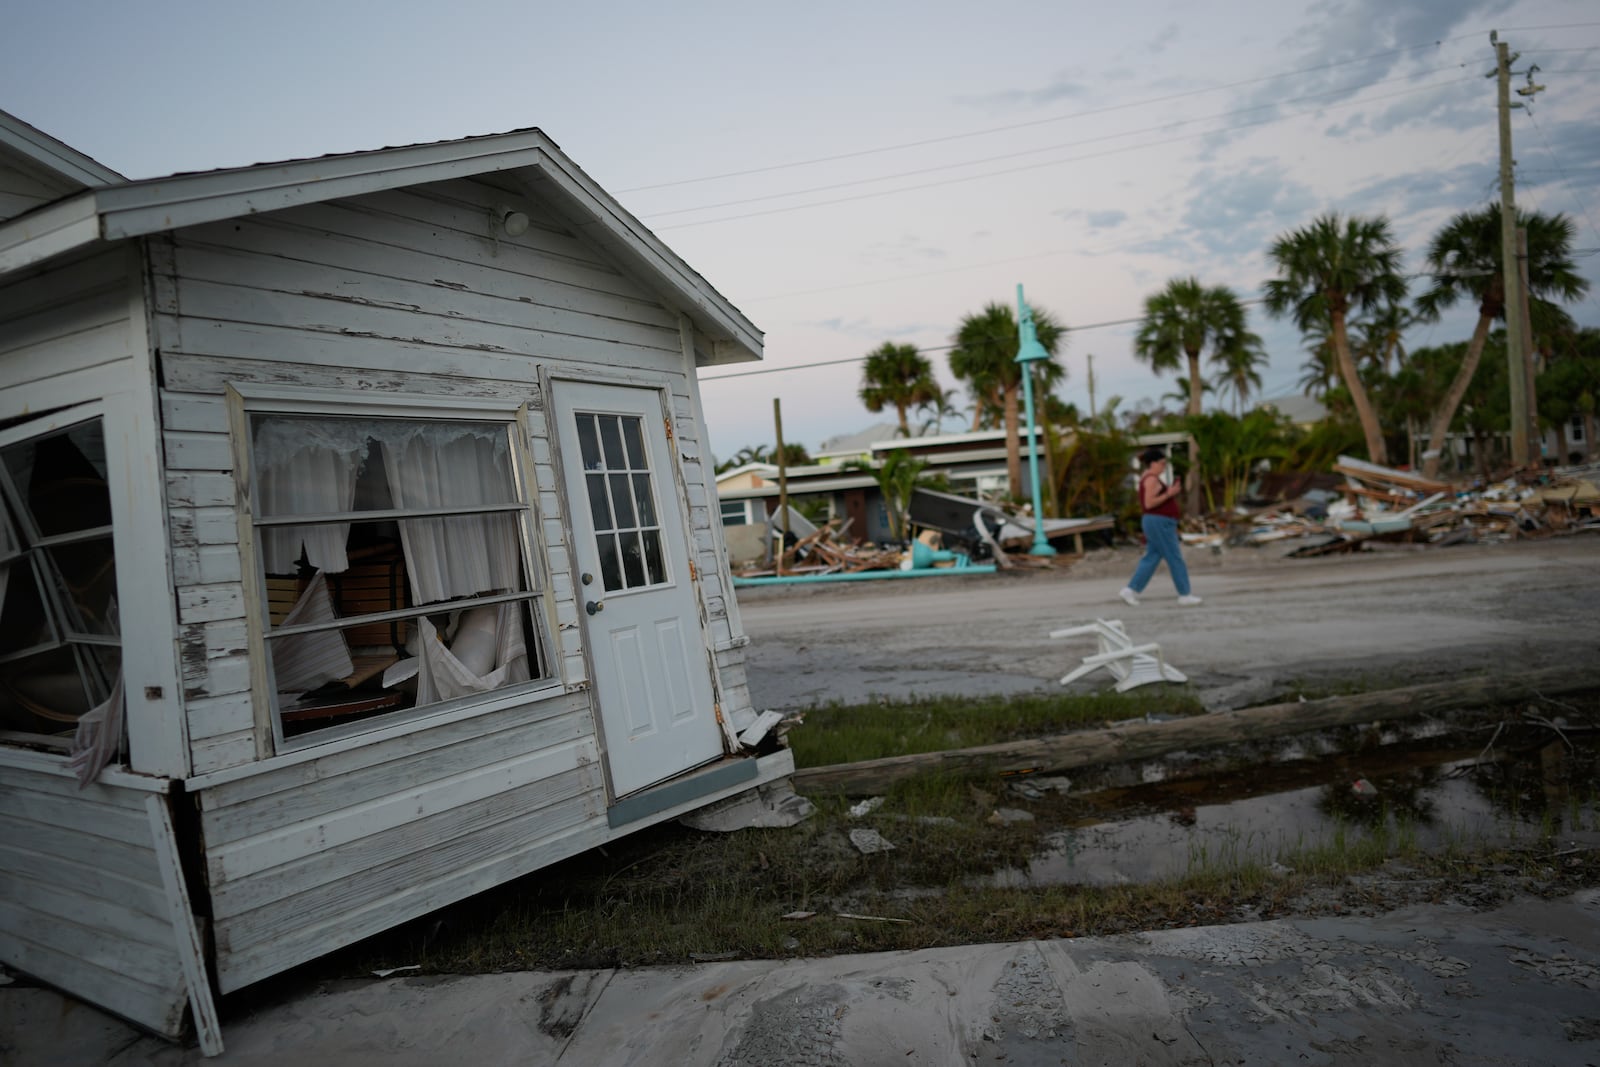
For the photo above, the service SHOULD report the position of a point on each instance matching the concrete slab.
(1428, 985)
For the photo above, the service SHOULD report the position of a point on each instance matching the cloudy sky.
(854, 173)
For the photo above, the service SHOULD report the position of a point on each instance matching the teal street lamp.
(1030, 351)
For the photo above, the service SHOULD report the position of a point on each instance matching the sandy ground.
(1268, 625)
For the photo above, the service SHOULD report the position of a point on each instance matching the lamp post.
(1030, 351)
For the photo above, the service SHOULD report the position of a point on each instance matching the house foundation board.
(358, 553)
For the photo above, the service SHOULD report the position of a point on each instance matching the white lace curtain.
(310, 466)
(307, 467)
(441, 466)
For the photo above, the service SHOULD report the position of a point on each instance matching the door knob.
(594, 607)
(587, 577)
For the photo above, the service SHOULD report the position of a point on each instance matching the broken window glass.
(394, 562)
(59, 647)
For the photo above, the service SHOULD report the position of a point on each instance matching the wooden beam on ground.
(1144, 740)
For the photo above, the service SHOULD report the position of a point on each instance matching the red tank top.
(1169, 508)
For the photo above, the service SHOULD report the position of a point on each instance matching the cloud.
(1419, 200)
(866, 329)
(1167, 35)
(1235, 212)
(1061, 88)
(906, 251)
(1351, 44)
(1105, 219)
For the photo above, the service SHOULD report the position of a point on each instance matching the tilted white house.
(376, 484)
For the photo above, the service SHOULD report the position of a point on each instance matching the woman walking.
(1159, 503)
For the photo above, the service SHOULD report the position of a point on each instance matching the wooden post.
(1144, 740)
(783, 484)
(1517, 376)
(1534, 436)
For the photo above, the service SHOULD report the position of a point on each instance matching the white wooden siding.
(406, 291)
(82, 903)
(403, 292)
(23, 190)
(310, 857)
(65, 335)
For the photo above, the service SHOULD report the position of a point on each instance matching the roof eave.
(57, 157)
(49, 231)
(135, 209)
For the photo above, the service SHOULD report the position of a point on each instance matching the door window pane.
(622, 501)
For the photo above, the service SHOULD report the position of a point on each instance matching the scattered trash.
(1382, 505)
(387, 971)
(865, 807)
(1278, 870)
(1008, 816)
(869, 841)
(751, 736)
(774, 805)
(1132, 665)
(871, 918)
(796, 916)
(1363, 788)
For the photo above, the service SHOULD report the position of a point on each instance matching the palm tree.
(1320, 372)
(985, 357)
(1325, 271)
(900, 377)
(1241, 376)
(1181, 393)
(1464, 259)
(1185, 317)
(936, 409)
(1382, 335)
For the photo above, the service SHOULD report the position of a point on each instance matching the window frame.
(62, 636)
(245, 402)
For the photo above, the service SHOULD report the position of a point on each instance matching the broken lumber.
(1144, 740)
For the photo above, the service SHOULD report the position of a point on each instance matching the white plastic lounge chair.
(1133, 665)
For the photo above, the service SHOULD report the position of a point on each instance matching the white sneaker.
(1189, 601)
(1128, 595)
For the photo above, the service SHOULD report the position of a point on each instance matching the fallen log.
(1144, 740)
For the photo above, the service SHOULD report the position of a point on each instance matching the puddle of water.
(1436, 797)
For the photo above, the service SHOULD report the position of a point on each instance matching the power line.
(1048, 163)
(1045, 121)
(1051, 148)
(923, 349)
(1571, 185)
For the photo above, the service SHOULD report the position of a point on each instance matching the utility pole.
(783, 485)
(1093, 411)
(1531, 393)
(1515, 371)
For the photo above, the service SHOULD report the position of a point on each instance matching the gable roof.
(31, 148)
(138, 208)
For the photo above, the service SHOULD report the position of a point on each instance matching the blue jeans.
(1161, 543)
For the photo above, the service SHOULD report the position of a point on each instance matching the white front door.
(641, 611)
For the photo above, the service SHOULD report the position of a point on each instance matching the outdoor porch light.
(512, 222)
(1029, 351)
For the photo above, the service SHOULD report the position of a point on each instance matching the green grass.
(847, 734)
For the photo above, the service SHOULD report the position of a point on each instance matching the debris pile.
(826, 550)
(1381, 505)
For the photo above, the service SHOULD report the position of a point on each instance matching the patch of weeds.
(850, 733)
(1318, 688)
